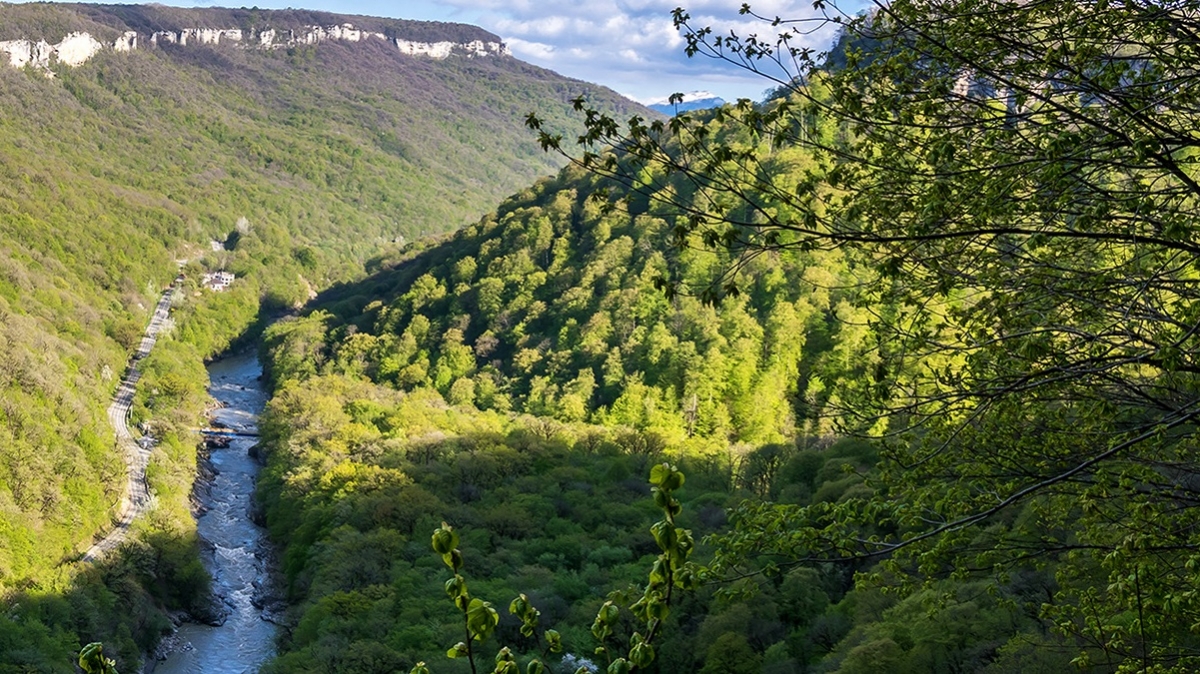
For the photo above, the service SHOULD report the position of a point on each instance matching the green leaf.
(665, 535)
(445, 539)
(519, 606)
(608, 614)
(641, 655)
(554, 641)
(456, 587)
(481, 619)
(619, 666)
(666, 477)
(92, 660)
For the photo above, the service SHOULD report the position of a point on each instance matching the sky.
(628, 45)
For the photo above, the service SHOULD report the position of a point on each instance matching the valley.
(123, 163)
(893, 370)
(235, 549)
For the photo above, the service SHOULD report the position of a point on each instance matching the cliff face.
(78, 47)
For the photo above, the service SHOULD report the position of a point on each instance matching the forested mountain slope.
(517, 380)
(551, 307)
(1013, 319)
(330, 138)
(301, 160)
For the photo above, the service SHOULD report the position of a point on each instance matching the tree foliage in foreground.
(1018, 183)
(92, 660)
(670, 572)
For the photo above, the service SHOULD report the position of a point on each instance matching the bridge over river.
(226, 433)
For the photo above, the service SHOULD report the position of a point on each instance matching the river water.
(239, 548)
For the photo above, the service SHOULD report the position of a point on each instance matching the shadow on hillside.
(122, 600)
(388, 276)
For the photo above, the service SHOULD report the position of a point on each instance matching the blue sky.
(628, 45)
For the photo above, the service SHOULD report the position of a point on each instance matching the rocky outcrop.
(77, 48)
(127, 42)
(23, 52)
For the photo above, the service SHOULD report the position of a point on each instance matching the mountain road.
(136, 497)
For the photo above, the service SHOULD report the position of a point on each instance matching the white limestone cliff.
(24, 52)
(77, 48)
(127, 42)
(437, 50)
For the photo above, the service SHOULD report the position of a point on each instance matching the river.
(238, 547)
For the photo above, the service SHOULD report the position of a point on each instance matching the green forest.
(116, 171)
(527, 405)
(891, 371)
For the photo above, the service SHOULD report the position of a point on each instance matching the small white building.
(218, 280)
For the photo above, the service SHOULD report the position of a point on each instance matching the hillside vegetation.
(920, 330)
(906, 243)
(519, 378)
(551, 307)
(301, 162)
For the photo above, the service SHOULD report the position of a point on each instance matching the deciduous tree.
(1016, 185)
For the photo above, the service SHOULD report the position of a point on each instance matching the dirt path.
(136, 498)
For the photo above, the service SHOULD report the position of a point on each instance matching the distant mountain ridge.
(51, 21)
(246, 29)
(695, 100)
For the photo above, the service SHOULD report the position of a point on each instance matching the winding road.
(136, 497)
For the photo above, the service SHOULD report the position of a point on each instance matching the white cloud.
(531, 51)
(550, 26)
(632, 45)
